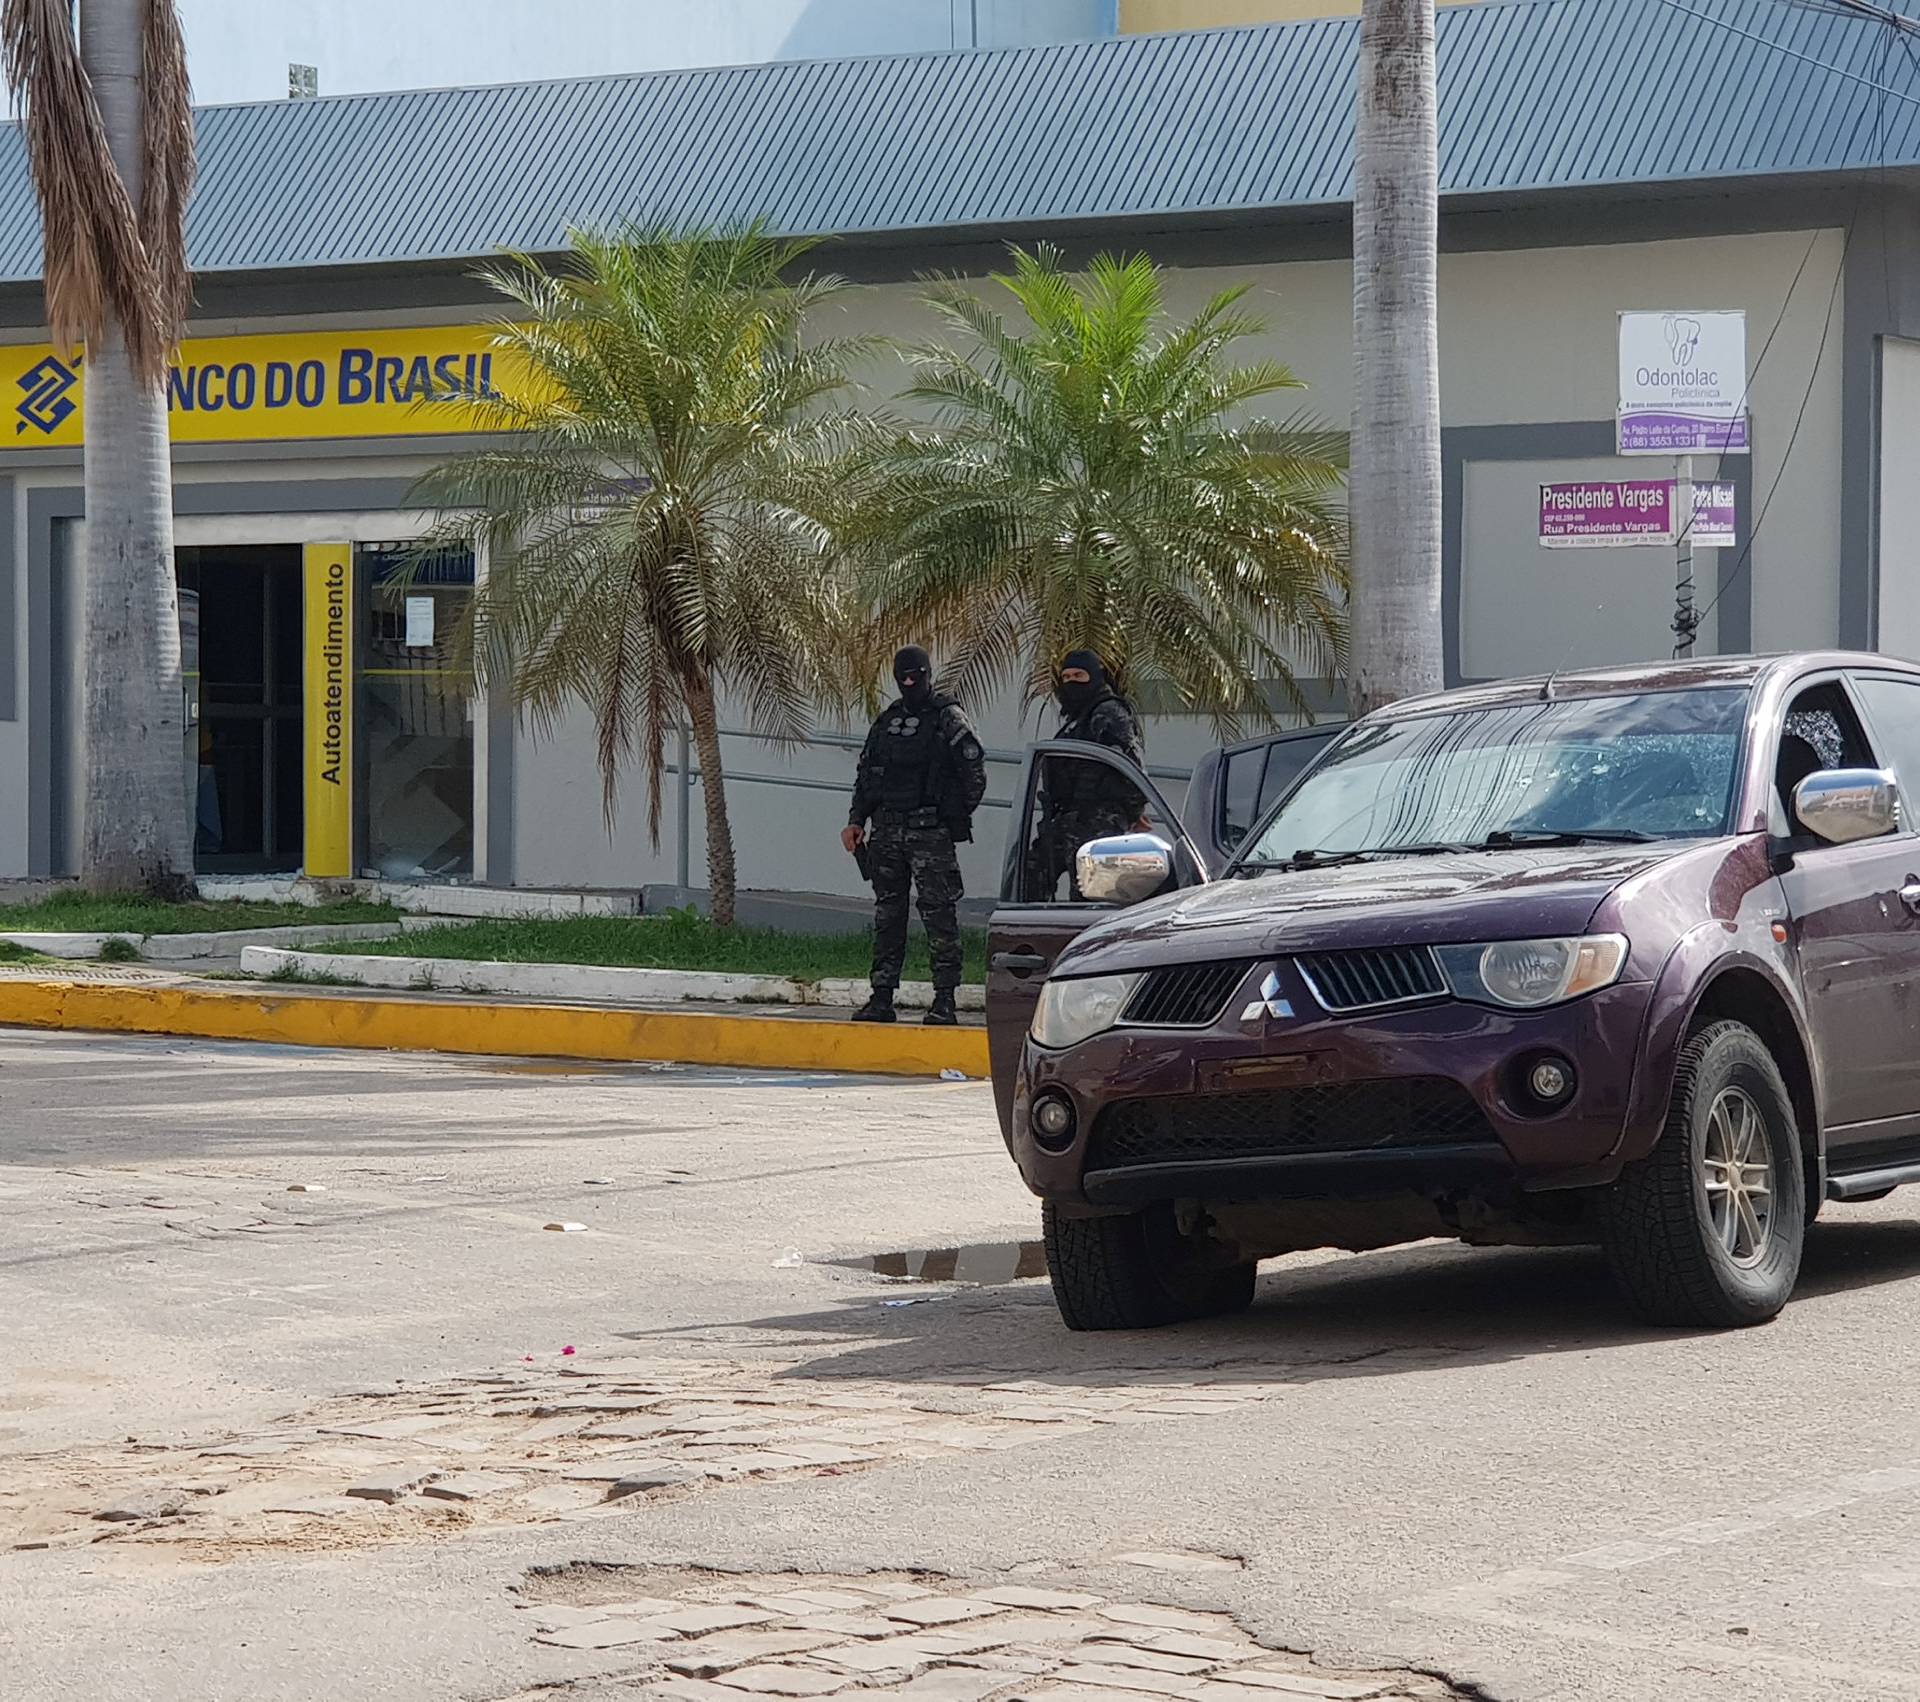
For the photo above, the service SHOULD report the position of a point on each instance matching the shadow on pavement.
(1369, 1314)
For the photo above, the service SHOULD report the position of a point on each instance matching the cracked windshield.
(1658, 765)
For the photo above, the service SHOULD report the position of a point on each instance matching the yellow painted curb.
(535, 1031)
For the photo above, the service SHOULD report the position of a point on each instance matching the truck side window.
(1895, 708)
(1287, 760)
(1076, 799)
(1820, 731)
(1242, 796)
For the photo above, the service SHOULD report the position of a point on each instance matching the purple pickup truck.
(1628, 958)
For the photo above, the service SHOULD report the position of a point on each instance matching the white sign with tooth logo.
(1683, 383)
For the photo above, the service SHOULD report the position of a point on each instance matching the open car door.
(1233, 787)
(1040, 909)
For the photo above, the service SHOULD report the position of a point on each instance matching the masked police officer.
(922, 774)
(1085, 800)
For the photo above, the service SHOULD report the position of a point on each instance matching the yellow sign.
(404, 383)
(329, 706)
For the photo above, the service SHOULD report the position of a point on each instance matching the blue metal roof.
(1535, 95)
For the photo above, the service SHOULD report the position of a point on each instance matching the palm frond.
(1094, 478)
(99, 279)
(656, 519)
(167, 164)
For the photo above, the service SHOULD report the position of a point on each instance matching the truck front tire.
(1138, 1272)
(1706, 1231)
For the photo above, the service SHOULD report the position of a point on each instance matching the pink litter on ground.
(566, 1350)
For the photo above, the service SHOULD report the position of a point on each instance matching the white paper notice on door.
(419, 623)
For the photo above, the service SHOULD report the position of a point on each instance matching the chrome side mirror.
(1841, 805)
(1124, 869)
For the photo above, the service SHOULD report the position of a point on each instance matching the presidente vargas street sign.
(418, 381)
(1619, 513)
(1683, 384)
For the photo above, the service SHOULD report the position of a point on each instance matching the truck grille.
(1357, 980)
(1188, 995)
(1345, 1117)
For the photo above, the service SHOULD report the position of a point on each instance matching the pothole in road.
(694, 1636)
(985, 1264)
(594, 1439)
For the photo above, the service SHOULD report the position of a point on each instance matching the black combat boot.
(879, 1008)
(941, 1014)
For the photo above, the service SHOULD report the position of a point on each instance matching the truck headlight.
(1527, 974)
(1077, 1009)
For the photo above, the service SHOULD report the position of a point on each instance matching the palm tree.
(1091, 480)
(108, 122)
(645, 545)
(1395, 496)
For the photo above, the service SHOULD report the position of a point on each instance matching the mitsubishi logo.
(44, 402)
(1269, 1003)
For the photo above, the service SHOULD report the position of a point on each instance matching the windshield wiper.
(1310, 858)
(1507, 838)
(1305, 858)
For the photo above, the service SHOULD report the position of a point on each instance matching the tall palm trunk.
(703, 713)
(136, 837)
(1395, 479)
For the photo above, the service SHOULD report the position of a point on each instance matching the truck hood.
(1480, 895)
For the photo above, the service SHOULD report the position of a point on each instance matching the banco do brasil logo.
(44, 402)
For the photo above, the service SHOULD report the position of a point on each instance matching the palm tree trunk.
(704, 715)
(1395, 481)
(136, 834)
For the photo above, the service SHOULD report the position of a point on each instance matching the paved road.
(1461, 1463)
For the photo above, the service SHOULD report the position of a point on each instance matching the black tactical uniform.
(921, 776)
(1085, 800)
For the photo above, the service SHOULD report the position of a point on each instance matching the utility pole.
(1394, 482)
(1685, 622)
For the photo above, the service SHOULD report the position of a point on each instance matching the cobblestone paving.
(694, 1637)
(589, 1439)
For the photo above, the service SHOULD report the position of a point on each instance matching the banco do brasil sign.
(392, 383)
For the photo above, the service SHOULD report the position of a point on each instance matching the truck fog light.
(1550, 1081)
(1053, 1121)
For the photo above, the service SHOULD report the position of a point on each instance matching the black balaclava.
(913, 674)
(1076, 697)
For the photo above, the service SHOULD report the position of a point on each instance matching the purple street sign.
(1681, 434)
(1713, 517)
(1597, 513)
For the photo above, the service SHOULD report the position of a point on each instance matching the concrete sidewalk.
(128, 999)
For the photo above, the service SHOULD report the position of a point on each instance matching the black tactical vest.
(909, 744)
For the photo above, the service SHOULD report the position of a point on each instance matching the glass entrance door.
(244, 605)
(416, 714)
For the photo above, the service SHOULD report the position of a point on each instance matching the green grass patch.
(292, 974)
(87, 913)
(680, 939)
(11, 953)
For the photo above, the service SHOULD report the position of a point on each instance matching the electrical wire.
(1900, 27)
(1793, 437)
(1789, 52)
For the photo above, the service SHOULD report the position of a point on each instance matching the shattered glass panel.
(1821, 729)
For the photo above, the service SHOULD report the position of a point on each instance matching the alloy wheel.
(1737, 1170)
